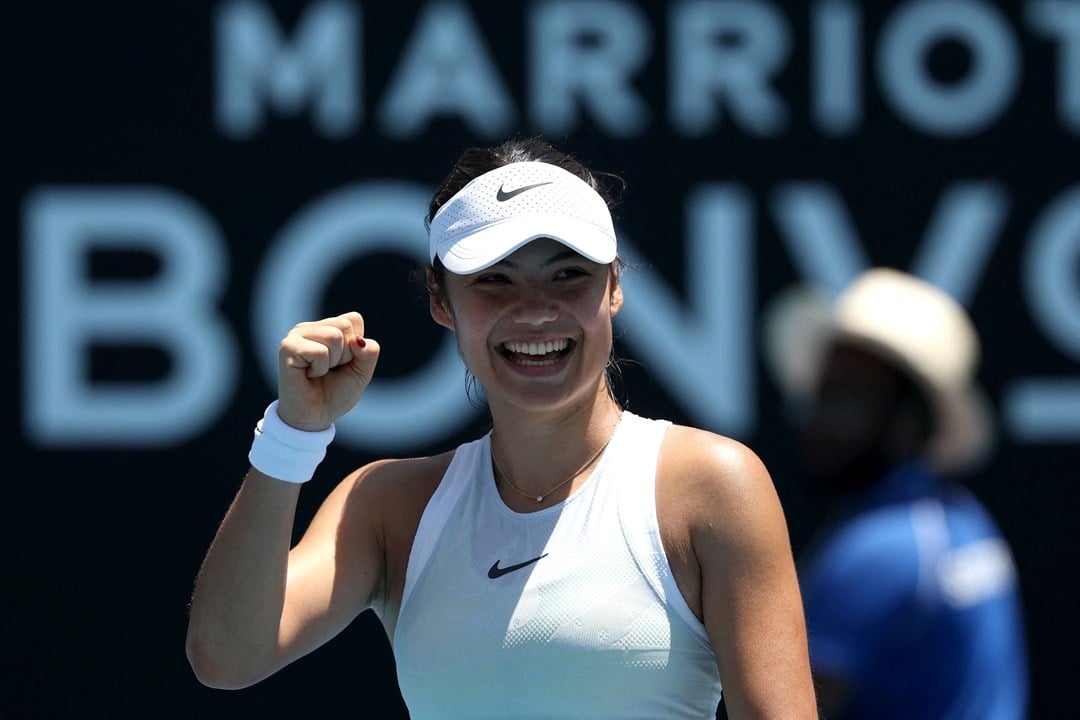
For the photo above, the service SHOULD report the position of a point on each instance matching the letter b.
(65, 312)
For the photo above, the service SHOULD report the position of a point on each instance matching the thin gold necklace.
(540, 498)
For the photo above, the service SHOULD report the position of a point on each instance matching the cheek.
(601, 314)
(472, 323)
(592, 303)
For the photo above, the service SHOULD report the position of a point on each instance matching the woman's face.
(535, 328)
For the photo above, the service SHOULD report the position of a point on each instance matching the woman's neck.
(537, 450)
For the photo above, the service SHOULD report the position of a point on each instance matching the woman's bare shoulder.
(713, 467)
(712, 454)
(397, 480)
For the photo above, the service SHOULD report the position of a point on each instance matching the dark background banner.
(187, 180)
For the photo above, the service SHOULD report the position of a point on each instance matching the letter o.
(957, 108)
(394, 414)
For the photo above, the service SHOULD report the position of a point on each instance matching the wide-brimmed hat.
(908, 322)
(510, 206)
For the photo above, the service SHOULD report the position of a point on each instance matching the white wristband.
(283, 452)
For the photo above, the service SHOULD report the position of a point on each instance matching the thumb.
(347, 384)
(364, 357)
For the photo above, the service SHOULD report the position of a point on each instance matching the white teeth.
(537, 348)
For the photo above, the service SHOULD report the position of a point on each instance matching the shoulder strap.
(442, 503)
(637, 512)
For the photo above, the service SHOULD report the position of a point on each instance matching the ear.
(440, 311)
(616, 301)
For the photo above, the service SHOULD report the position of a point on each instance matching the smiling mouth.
(537, 354)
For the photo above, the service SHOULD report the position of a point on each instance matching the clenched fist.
(323, 368)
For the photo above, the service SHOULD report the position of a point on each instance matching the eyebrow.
(567, 254)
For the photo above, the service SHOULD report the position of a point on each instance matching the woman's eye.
(566, 273)
(490, 279)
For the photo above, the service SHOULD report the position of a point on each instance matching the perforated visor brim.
(488, 245)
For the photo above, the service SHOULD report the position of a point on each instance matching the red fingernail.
(361, 342)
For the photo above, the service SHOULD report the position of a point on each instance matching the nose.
(534, 307)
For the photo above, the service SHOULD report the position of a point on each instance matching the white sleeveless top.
(571, 611)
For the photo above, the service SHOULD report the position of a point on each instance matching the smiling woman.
(577, 558)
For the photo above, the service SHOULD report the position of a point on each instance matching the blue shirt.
(912, 601)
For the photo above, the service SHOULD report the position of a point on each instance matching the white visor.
(506, 208)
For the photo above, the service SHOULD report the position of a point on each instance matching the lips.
(535, 354)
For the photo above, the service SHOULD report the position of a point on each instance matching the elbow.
(217, 670)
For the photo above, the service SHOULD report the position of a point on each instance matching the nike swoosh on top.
(504, 195)
(498, 572)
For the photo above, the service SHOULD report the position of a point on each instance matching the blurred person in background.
(577, 560)
(910, 590)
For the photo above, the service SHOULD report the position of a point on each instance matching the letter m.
(256, 66)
